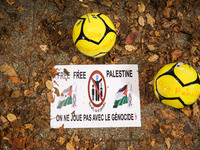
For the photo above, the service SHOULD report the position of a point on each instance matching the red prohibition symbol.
(97, 89)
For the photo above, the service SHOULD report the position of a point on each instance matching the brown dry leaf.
(107, 3)
(187, 139)
(20, 9)
(130, 38)
(130, 48)
(29, 126)
(176, 54)
(195, 109)
(10, 2)
(150, 20)
(28, 93)
(61, 140)
(96, 147)
(131, 148)
(49, 84)
(69, 146)
(3, 119)
(8, 70)
(153, 58)
(141, 7)
(166, 12)
(44, 48)
(187, 111)
(60, 4)
(157, 33)
(151, 47)
(15, 79)
(169, 3)
(50, 97)
(11, 117)
(168, 142)
(167, 113)
(1, 16)
(141, 21)
(36, 85)
(16, 94)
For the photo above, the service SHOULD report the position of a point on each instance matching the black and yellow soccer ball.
(94, 34)
(177, 85)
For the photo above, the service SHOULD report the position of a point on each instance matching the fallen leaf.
(187, 139)
(96, 147)
(107, 3)
(130, 38)
(1, 16)
(168, 142)
(44, 48)
(16, 94)
(141, 7)
(61, 140)
(150, 20)
(151, 47)
(166, 12)
(176, 54)
(28, 93)
(168, 24)
(20, 9)
(49, 84)
(29, 126)
(3, 119)
(195, 109)
(187, 111)
(69, 146)
(60, 4)
(8, 70)
(130, 148)
(15, 79)
(157, 33)
(153, 58)
(36, 85)
(10, 2)
(141, 21)
(11, 117)
(169, 3)
(130, 48)
(50, 97)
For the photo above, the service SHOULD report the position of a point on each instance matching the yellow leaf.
(10, 2)
(20, 9)
(11, 117)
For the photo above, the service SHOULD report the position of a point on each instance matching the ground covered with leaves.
(35, 35)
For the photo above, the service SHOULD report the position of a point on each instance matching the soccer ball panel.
(77, 29)
(167, 86)
(185, 73)
(173, 103)
(108, 21)
(94, 28)
(90, 49)
(164, 69)
(189, 94)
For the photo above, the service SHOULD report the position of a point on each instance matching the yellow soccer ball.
(94, 34)
(177, 85)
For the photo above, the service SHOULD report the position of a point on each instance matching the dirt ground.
(35, 35)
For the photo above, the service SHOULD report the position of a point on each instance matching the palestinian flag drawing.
(68, 98)
(123, 96)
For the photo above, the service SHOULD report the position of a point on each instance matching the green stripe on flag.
(120, 102)
(65, 102)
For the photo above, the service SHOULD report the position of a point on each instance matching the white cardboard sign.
(96, 96)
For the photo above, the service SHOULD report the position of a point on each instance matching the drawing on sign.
(69, 97)
(97, 91)
(123, 96)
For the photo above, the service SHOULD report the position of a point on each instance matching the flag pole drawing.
(68, 98)
(123, 96)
